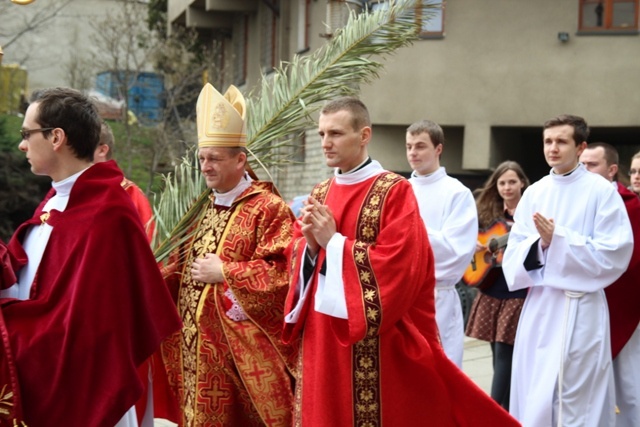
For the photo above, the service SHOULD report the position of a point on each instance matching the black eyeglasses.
(25, 133)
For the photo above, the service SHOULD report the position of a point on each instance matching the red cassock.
(623, 294)
(384, 365)
(98, 309)
(142, 205)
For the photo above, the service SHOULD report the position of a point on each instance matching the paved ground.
(477, 362)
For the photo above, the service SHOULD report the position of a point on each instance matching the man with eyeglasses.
(82, 300)
(623, 294)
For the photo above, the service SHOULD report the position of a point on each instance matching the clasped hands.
(545, 228)
(317, 224)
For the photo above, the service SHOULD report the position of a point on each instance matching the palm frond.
(177, 206)
(286, 98)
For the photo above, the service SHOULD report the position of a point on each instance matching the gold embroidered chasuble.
(228, 365)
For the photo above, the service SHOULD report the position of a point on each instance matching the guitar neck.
(498, 242)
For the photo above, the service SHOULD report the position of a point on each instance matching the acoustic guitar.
(495, 239)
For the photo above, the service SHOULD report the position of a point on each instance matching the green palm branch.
(174, 208)
(286, 98)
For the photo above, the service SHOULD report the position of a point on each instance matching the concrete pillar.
(476, 150)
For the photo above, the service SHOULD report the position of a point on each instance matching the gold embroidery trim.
(212, 232)
(366, 353)
(6, 401)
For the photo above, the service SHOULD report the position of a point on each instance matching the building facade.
(490, 72)
(56, 40)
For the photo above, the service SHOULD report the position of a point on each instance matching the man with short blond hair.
(361, 298)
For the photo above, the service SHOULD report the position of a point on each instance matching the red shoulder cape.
(98, 309)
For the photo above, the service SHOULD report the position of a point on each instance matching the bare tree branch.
(27, 20)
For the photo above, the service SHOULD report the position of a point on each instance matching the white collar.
(372, 169)
(63, 188)
(227, 199)
(433, 176)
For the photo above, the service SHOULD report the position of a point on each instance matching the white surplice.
(449, 212)
(564, 325)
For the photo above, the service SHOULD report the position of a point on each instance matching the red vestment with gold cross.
(383, 365)
(225, 368)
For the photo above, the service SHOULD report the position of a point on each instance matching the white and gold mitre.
(221, 119)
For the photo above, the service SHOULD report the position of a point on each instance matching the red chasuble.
(383, 366)
(98, 308)
(141, 204)
(623, 295)
(228, 367)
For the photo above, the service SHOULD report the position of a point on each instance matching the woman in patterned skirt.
(495, 311)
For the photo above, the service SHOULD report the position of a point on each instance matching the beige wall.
(497, 74)
(501, 64)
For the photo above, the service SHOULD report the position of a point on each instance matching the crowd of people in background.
(346, 315)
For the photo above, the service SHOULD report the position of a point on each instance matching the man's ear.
(58, 138)
(612, 171)
(581, 147)
(365, 135)
(101, 151)
(242, 160)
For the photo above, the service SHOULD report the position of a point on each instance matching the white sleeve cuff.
(330, 297)
(302, 290)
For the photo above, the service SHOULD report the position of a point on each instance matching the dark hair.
(490, 203)
(580, 127)
(72, 112)
(359, 112)
(427, 126)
